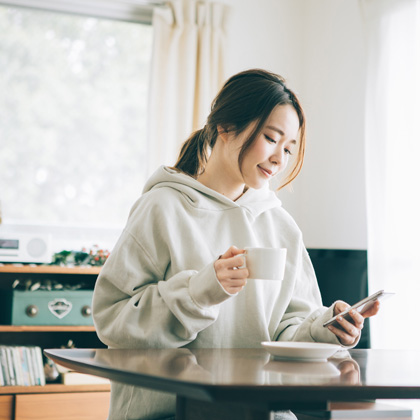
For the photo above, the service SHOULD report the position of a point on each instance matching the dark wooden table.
(249, 383)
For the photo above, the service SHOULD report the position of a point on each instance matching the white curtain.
(392, 124)
(187, 72)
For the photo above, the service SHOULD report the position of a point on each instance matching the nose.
(279, 158)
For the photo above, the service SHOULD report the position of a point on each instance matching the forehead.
(284, 118)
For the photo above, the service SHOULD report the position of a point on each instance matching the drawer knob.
(86, 311)
(31, 310)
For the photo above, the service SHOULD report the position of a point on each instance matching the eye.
(269, 139)
(288, 152)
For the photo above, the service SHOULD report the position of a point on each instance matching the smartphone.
(361, 306)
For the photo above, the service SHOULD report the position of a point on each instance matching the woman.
(173, 279)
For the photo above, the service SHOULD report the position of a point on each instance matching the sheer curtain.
(187, 71)
(392, 30)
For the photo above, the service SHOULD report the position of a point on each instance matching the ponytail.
(194, 154)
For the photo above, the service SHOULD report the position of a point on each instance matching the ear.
(223, 133)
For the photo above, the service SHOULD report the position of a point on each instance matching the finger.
(346, 367)
(233, 286)
(373, 310)
(345, 331)
(351, 377)
(343, 337)
(348, 327)
(231, 252)
(236, 262)
(236, 282)
(230, 263)
(233, 262)
(357, 318)
(340, 306)
(239, 273)
(234, 290)
(230, 274)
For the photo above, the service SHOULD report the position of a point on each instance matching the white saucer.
(303, 373)
(300, 351)
(307, 369)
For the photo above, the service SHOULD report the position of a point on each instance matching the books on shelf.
(71, 377)
(21, 366)
(77, 378)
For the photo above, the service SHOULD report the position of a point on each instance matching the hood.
(200, 196)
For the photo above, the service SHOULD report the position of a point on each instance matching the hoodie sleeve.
(305, 315)
(135, 305)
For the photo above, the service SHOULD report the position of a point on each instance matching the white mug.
(265, 263)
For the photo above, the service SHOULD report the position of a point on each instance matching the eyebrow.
(281, 132)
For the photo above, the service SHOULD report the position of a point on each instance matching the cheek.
(284, 162)
(260, 150)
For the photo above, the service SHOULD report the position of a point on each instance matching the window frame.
(77, 235)
(126, 10)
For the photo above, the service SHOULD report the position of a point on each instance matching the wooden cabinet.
(6, 407)
(52, 401)
(63, 406)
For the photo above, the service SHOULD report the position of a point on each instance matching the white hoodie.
(158, 288)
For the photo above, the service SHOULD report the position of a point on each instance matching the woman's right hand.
(230, 276)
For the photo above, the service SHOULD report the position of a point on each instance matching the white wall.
(318, 46)
(332, 203)
(266, 34)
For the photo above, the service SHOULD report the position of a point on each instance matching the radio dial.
(86, 311)
(31, 311)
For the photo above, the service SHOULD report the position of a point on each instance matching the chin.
(257, 184)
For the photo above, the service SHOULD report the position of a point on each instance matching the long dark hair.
(249, 96)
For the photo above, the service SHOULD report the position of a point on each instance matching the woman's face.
(270, 152)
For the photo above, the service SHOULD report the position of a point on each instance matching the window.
(393, 171)
(73, 116)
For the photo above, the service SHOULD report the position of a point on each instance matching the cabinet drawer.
(69, 406)
(65, 307)
(6, 407)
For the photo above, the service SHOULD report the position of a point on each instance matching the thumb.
(231, 252)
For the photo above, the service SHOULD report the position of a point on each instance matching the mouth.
(266, 172)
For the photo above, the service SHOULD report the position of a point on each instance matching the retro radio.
(25, 248)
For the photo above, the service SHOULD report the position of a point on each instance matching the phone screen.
(361, 306)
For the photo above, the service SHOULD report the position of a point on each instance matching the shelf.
(50, 400)
(54, 388)
(47, 328)
(48, 269)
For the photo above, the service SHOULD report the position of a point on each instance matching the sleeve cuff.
(205, 289)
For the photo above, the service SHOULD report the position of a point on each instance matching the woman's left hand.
(349, 331)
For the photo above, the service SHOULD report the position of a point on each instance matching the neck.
(219, 178)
